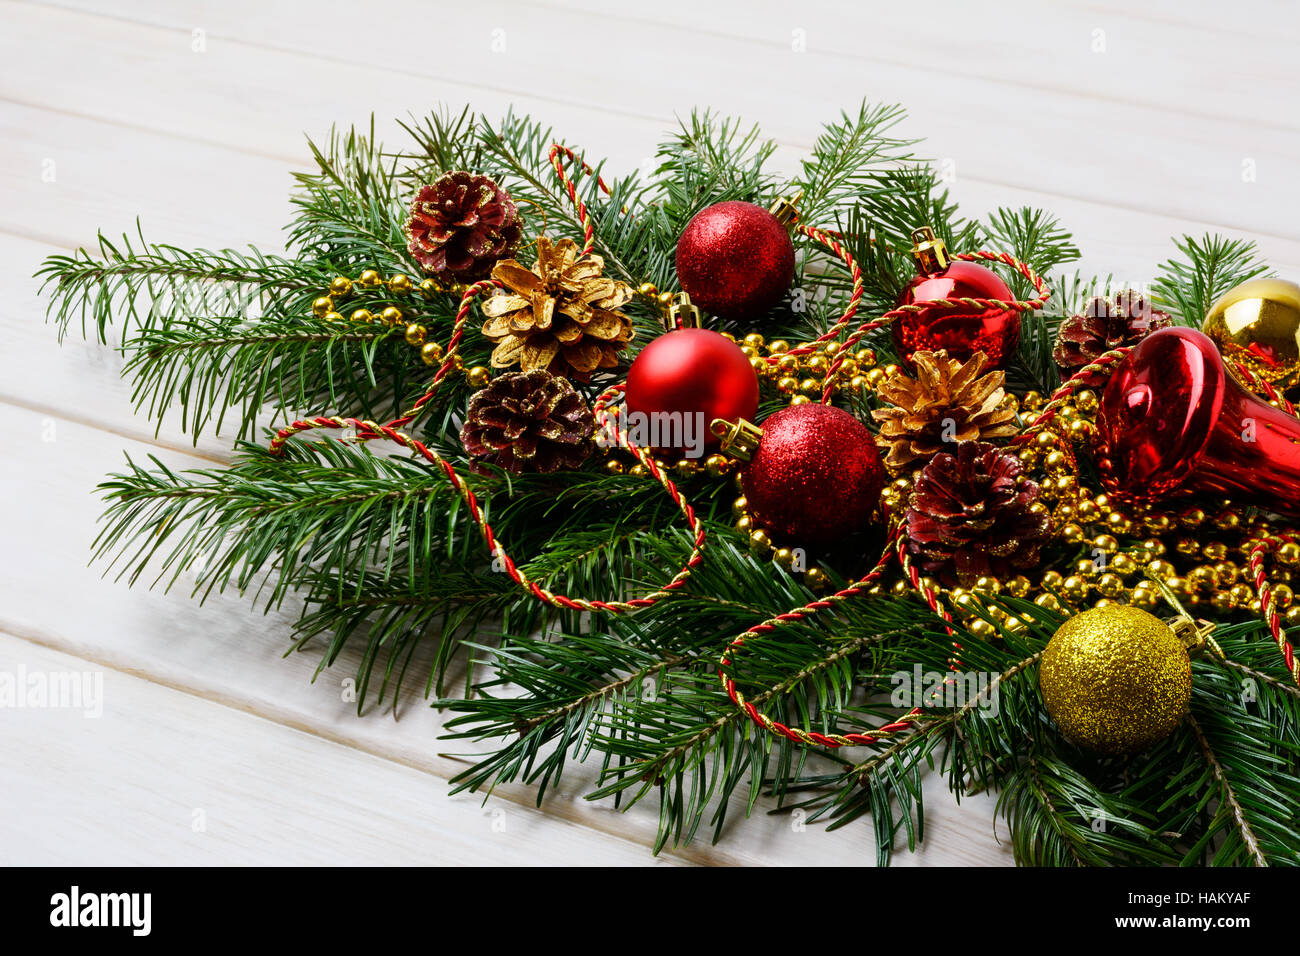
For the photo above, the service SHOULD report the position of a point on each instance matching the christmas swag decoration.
(1063, 463)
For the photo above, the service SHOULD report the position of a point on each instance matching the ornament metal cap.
(739, 438)
(682, 314)
(1194, 633)
(786, 209)
(928, 251)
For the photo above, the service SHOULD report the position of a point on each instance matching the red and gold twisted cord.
(799, 735)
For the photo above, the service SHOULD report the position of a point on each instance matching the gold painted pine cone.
(562, 315)
(949, 401)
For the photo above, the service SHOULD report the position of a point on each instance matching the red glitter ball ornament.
(735, 259)
(815, 477)
(689, 372)
(960, 331)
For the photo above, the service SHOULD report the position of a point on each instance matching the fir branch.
(1207, 268)
(140, 286)
(1240, 823)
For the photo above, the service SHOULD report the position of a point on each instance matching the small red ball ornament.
(735, 259)
(690, 372)
(961, 332)
(815, 477)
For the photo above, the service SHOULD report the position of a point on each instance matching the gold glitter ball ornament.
(1257, 324)
(1116, 679)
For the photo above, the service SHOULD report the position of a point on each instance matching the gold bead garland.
(325, 307)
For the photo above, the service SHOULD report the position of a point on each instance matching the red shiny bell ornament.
(961, 331)
(1172, 421)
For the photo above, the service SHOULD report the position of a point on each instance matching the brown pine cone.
(562, 315)
(1105, 325)
(529, 421)
(947, 402)
(971, 515)
(462, 225)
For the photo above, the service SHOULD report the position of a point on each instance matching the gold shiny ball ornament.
(1257, 325)
(400, 284)
(431, 353)
(429, 288)
(362, 316)
(415, 334)
(391, 316)
(341, 286)
(370, 279)
(478, 376)
(1115, 679)
(615, 467)
(322, 306)
(333, 317)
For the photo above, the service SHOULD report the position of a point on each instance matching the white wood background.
(1132, 125)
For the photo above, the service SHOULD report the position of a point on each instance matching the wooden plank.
(1114, 151)
(164, 778)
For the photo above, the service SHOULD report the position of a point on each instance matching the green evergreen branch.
(1207, 268)
(1239, 820)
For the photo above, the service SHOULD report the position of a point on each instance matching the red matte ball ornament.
(815, 476)
(736, 260)
(1172, 421)
(960, 331)
(690, 372)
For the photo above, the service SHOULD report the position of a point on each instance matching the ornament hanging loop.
(929, 251)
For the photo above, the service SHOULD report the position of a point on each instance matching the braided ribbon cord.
(811, 737)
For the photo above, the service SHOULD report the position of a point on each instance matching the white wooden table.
(1132, 126)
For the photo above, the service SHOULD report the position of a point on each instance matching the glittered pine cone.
(948, 401)
(461, 225)
(1103, 325)
(972, 514)
(529, 421)
(562, 315)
